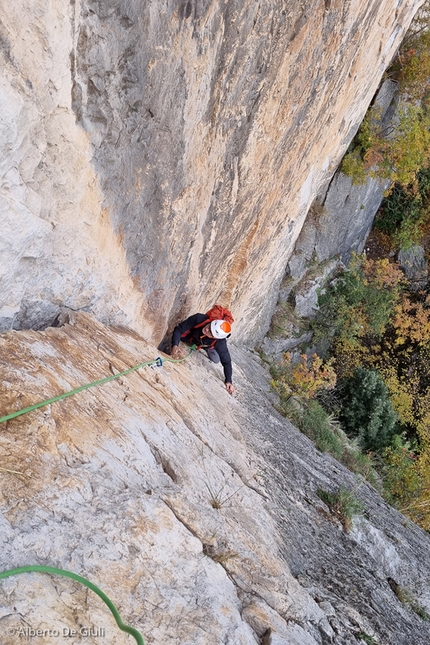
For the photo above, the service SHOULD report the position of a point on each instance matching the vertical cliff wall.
(163, 155)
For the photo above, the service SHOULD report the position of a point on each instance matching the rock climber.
(209, 335)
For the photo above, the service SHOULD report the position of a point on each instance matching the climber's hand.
(176, 353)
(230, 389)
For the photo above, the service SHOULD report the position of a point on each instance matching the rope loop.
(36, 568)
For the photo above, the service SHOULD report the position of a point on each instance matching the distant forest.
(366, 397)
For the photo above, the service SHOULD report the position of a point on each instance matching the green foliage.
(409, 234)
(297, 384)
(385, 373)
(398, 155)
(353, 166)
(402, 480)
(369, 640)
(413, 64)
(407, 150)
(408, 599)
(419, 610)
(315, 423)
(398, 206)
(342, 504)
(405, 212)
(286, 323)
(360, 463)
(367, 412)
(321, 427)
(354, 163)
(360, 302)
(300, 385)
(304, 378)
(385, 379)
(403, 360)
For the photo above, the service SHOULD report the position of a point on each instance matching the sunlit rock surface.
(160, 156)
(196, 512)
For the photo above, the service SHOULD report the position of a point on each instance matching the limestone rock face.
(340, 220)
(195, 512)
(160, 156)
(57, 245)
(415, 266)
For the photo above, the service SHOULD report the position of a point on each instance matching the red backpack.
(219, 313)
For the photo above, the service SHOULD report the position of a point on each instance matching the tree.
(359, 304)
(367, 412)
(401, 151)
(304, 378)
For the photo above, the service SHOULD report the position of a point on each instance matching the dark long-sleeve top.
(195, 337)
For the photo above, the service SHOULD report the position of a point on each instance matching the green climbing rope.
(40, 568)
(68, 574)
(158, 361)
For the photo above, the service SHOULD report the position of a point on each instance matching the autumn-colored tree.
(403, 480)
(395, 345)
(375, 324)
(405, 213)
(399, 349)
(304, 378)
(356, 309)
(298, 383)
(312, 375)
(411, 322)
(401, 151)
(397, 154)
(403, 360)
(412, 67)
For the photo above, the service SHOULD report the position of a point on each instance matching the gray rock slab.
(119, 483)
(414, 263)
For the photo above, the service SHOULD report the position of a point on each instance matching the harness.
(195, 339)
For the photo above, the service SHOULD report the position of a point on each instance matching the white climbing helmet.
(220, 329)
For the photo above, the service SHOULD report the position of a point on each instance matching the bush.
(361, 464)
(342, 504)
(398, 206)
(413, 63)
(404, 213)
(353, 166)
(355, 163)
(407, 151)
(311, 419)
(402, 481)
(367, 412)
(360, 302)
(399, 154)
(369, 640)
(316, 424)
(305, 378)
